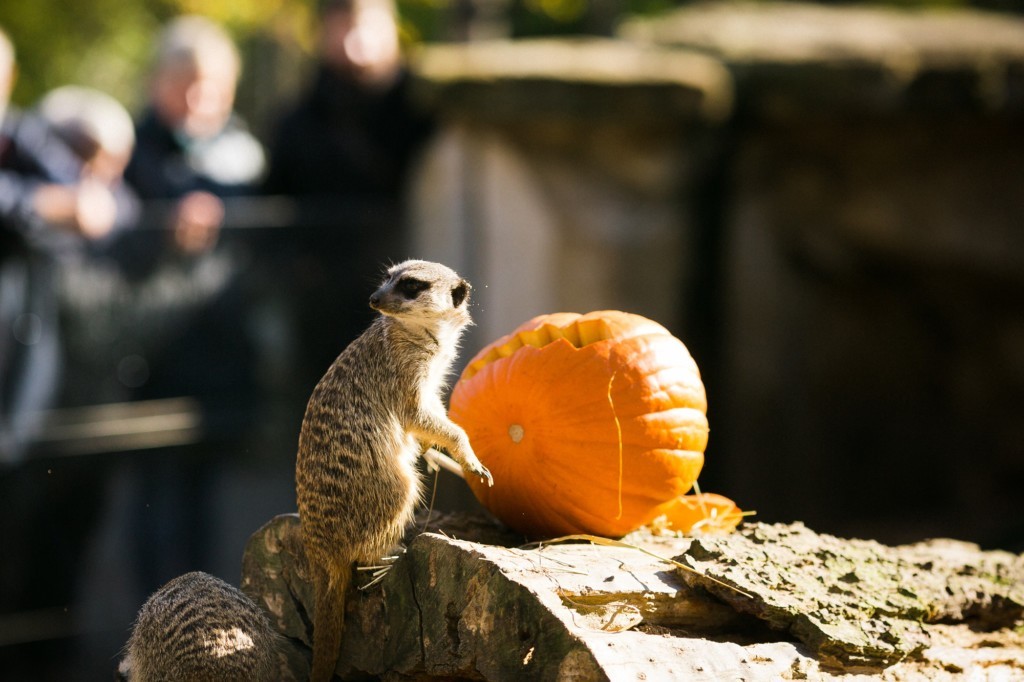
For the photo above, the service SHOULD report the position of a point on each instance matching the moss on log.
(857, 603)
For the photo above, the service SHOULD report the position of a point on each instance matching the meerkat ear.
(460, 292)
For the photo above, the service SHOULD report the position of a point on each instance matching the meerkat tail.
(329, 620)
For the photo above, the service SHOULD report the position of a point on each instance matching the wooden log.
(468, 603)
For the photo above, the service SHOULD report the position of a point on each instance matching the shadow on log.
(464, 602)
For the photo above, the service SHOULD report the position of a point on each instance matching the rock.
(592, 79)
(800, 55)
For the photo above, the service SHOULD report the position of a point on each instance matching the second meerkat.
(368, 420)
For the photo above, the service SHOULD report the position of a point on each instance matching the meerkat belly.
(337, 505)
(397, 503)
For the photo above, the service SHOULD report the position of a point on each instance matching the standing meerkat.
(374, 412)
(198, 628)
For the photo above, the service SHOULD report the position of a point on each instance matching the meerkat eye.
(411, 288)
(459, 293)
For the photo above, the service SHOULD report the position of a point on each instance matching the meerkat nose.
(375, 300)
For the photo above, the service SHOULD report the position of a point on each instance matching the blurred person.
(192, 150)
(100, 132)
(355, 132)
(116, 313)
(191, 146)
(55, 211)
(48, 211)
(346, 147)
(95, 298)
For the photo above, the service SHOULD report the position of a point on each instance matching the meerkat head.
(424, 293)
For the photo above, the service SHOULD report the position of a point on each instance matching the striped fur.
(198, 628)
(366, 423)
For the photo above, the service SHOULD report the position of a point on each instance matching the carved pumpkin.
(589, 423)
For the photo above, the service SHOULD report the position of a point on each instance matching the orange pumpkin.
(700, 514)
(589, 423)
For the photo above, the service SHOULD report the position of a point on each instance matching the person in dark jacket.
(355, 132)
(190, 144)
(192, 150)
(48, 211)
(56, 213)
(346, 149)
(96, 300)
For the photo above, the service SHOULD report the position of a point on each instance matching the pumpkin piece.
(588, 423)
(700, 514)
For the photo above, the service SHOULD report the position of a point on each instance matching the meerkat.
(372, 415)
(198, 628)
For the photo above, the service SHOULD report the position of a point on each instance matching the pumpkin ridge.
(609, 524)
(658, 474)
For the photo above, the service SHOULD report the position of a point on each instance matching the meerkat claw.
(379, 573)
(386, 562)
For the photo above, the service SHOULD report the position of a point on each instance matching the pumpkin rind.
(544, 407)
(700, 514)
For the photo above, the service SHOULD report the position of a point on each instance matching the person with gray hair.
(191, 146)
(99, 130)
(192, 150)
(95, 125)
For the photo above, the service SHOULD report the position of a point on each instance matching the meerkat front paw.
(469, 462)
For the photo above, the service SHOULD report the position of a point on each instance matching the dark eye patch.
(411, 288)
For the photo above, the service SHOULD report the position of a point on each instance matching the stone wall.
(559, 178)
(826, 205)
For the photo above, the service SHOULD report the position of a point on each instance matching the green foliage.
(106, 43)
(99, 43)
(425, 20)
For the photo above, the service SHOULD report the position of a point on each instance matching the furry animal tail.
(329, 619)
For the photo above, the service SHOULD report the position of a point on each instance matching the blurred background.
(824, 201)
